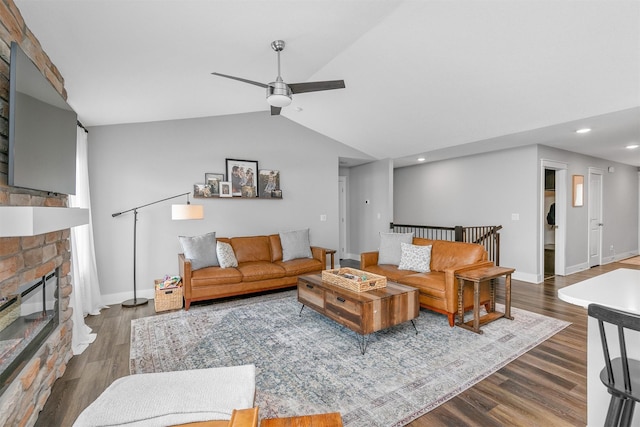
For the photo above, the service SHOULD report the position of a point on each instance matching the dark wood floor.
(544, 387)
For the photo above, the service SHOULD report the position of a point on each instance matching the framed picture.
(268, 183)
(578, 190)
(213, 181)
(201, 191)
(225, 189)
(241, 174)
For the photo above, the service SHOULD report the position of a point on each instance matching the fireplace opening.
(27, 318)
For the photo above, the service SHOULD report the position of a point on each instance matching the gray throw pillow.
(295, 244)
(200, 250)
(390, 250)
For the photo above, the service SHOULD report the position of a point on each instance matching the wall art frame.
(213, 180)
(578, 190)
(241, 174)
(268, 183)
(225, 189)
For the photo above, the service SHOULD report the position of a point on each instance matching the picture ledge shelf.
(18, 221)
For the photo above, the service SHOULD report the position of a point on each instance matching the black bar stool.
(620, 375)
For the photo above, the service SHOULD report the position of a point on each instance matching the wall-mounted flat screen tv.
(42, 131)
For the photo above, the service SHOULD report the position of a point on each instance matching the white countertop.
(618, 289)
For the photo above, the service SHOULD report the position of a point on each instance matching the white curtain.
(86, 298)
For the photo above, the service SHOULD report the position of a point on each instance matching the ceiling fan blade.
(275, 111)
(241, 80)
(316, 86)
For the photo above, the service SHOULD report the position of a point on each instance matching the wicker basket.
(367, 281)
(168, 298)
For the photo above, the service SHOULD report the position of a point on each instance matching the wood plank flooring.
(544, 387)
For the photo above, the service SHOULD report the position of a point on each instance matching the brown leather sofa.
(260, 268)
(439, 287)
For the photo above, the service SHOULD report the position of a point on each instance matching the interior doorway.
(550, 225)
(595, 217)
(553, 214)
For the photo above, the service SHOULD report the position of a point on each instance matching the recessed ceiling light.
(632, 146)
(583, 130)
(421, 159)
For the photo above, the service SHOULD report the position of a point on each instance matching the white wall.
(487, 189)
(372, 183)
(620, 209)
(134, 164)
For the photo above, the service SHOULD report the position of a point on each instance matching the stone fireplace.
(26, 259)
(27, 318)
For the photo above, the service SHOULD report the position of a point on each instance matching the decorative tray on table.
(354, 280)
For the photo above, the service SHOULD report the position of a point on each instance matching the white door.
(342, 188)
(595, 218)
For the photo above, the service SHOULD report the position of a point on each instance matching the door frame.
(561, 217)
(594, 171)
(343, 218)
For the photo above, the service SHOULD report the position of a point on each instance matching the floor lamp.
(178, 212)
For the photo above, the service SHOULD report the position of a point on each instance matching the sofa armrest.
(451, 283)
(320, 254)
(367, 259)
(184, 266)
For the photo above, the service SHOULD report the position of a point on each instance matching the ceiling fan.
(278, 92)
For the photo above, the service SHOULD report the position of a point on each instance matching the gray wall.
(488, 189)
(134, 164)
(485, 189)
(619, 204)
(372, 183)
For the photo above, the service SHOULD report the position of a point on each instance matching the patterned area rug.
(308, 364)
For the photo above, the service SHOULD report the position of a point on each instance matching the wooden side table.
(332, 419)
(332, 253)
(477, 276)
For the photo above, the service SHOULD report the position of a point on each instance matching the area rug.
(306, 363)
(633, 260)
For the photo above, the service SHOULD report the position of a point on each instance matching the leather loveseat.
(439, 287)
(260, 268)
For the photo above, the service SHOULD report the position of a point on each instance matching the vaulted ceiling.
(432, 78)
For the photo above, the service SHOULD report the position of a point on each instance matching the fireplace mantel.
(16, 221)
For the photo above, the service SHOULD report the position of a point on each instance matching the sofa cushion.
(295, 244)
(391, 272)
(445, 254)
(226, 257)
(195, 395)
(276, 247)
(251, 249)
(432, 283)
(201, 250)
(260, 270)
(215, 276)
(390, 251)
(299, 266)
(415, 257)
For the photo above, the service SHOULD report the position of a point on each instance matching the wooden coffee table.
(362, 312)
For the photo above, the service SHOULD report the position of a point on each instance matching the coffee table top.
(391, 289)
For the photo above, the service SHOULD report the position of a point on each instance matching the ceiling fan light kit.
(278, 92)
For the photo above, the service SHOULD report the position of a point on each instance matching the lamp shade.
(187, 211)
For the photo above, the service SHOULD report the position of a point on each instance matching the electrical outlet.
(611, 248)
